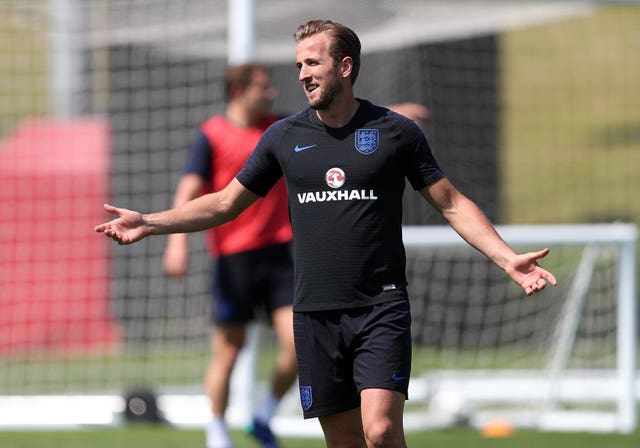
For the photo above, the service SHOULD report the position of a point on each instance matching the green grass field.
(162, 437)
(24, 80)
(571, 133)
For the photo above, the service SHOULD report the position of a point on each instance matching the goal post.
(570, 365)
(564, 359)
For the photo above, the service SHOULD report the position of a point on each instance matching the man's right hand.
(129, 227)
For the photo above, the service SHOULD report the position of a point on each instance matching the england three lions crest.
(306, 397)
(367, 140)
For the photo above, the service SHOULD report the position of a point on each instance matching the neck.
(238, 116)
(340, 112)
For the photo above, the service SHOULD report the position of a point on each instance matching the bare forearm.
(196, 215)
(476, 229)
(466, 218)
(199, 214)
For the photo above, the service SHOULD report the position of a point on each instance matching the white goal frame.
(619, 387)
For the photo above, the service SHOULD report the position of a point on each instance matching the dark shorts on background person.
(342, 352)
(246, 281)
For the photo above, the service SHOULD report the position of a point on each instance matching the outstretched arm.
(467, 219)
(202, 213)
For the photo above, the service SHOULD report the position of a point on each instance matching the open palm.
(127, 228)
(527, 273)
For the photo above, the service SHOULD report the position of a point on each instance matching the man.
(344, 161)
(253, 263)
(253, 258)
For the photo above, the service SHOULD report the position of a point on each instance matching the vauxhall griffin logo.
(334, 178)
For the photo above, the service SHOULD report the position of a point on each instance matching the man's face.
(319, 75)
(260, 94)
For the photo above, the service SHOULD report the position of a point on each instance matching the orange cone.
(497, 428)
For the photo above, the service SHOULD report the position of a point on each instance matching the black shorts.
(342, 352)
(245, 281)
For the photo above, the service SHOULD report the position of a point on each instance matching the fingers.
(537, 286)
(550, 277)
(541, 282)
(111, 233)
(120, 239)
(541, 253)
(105, 226)
(544, 276)
(112, 209)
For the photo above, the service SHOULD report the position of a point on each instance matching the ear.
(346, 66)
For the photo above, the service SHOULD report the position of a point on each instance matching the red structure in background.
(54, 269)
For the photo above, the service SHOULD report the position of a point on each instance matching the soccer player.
(344, 161)
(253, 257)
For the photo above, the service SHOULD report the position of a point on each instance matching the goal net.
(100, 100)
(561, 360)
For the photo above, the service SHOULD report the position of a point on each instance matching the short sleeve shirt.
(345, 201)
(217, 154)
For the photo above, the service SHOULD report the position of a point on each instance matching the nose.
(304, 74)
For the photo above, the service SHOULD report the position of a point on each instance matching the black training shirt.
(345, 201)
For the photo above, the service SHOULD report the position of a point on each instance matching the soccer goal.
(564, 359)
